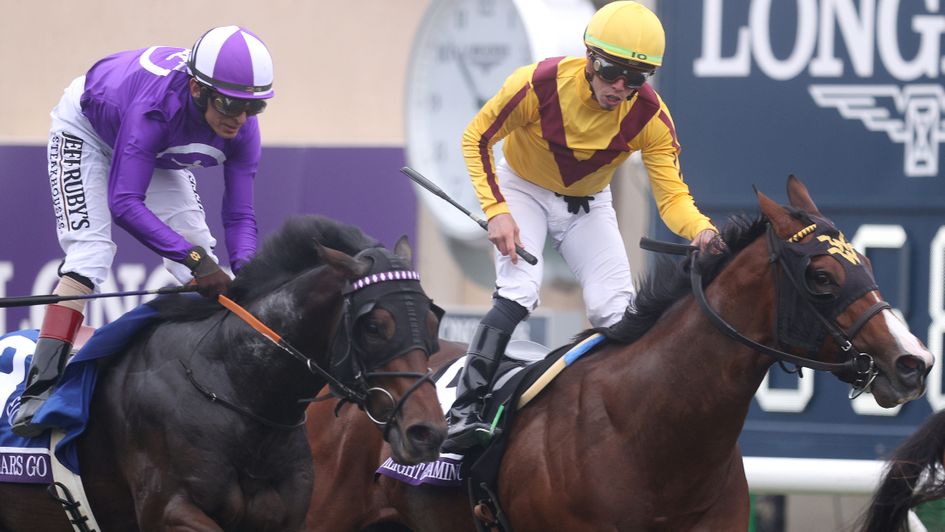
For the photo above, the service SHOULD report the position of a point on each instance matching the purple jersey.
(139, 103)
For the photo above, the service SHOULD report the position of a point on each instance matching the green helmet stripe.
(624, 52)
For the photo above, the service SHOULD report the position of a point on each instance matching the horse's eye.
(821, 282)
(372, 327)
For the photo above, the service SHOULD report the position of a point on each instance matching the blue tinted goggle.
(233, 107)
(611, 72)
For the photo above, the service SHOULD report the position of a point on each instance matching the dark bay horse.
(159, 454)
(642, 434)
(915, 474)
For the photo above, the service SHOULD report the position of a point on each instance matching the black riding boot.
(466, 427)
(52, 352)
(48, 360)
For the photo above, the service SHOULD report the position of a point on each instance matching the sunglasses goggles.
(611, 72)
(233, 107)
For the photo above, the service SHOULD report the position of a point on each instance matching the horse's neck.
(686, 370)
(305, 312)
(275, 378)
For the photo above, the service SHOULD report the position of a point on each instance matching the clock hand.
(467, 75)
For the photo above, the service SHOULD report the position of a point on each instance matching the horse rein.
(214, 398)
(346, 393)
(861, 365)
(398, 404)
(281, 342)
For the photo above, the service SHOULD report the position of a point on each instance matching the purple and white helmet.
(234, 62)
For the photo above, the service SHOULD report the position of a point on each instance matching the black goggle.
(233, 107)
(611, 72)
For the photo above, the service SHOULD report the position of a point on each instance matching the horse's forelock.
(396, 262)
(384, 260)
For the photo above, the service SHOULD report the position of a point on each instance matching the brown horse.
(914, 475)
(642, 434)
(198, 426)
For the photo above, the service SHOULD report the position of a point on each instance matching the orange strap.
(244, 314)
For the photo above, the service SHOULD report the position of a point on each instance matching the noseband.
(795, 301)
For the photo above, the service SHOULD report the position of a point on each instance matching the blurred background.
(846, 94)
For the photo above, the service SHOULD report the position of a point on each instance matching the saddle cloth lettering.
(27, 460)
(541, 370)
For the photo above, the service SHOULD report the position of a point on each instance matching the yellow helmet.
(629, 31)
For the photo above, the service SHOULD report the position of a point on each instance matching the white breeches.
(79, 164)
(590, 244)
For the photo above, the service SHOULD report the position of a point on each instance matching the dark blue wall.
(752, 129)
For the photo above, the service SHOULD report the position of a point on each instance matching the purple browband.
(396, 275)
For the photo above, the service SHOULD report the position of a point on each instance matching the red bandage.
(61, 323)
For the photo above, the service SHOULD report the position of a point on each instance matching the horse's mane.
(668, 281)
(283, 256)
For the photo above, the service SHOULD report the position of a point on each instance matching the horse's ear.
(352, 267)
(402, 249)
(799, 197)
(783, 223)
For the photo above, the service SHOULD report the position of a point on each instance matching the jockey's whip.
(26, 301)
(427, 184)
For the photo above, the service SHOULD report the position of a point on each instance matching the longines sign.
(847, 95)
(908, 113)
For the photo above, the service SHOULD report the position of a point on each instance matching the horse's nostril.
(424, 435)
(910, 367)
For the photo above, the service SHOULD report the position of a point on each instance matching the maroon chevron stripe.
(552, 125)
(489, 134)
(672, 129)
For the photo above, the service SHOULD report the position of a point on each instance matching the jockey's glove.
(211, 280)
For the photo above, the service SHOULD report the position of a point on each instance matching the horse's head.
(380, 352)
(830, 308)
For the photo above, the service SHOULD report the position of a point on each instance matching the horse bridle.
(353, 389)
(352, 365)
(859, 367)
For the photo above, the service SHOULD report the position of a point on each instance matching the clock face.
(463, 52)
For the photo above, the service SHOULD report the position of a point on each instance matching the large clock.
(463, 51)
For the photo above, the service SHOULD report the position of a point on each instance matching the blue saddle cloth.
(68, 407)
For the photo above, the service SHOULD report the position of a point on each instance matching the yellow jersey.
(558, 137)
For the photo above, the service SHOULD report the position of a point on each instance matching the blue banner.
(847, 95)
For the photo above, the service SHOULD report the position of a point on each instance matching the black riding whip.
(26, 301)
(427, 184)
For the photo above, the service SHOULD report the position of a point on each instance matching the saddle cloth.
(27, 460)
(526, 368)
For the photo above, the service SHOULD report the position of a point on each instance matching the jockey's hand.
(211, 280)
(709, 241)
(503, 232)
(214, 284)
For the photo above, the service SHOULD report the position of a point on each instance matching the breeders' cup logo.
(909, 114)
